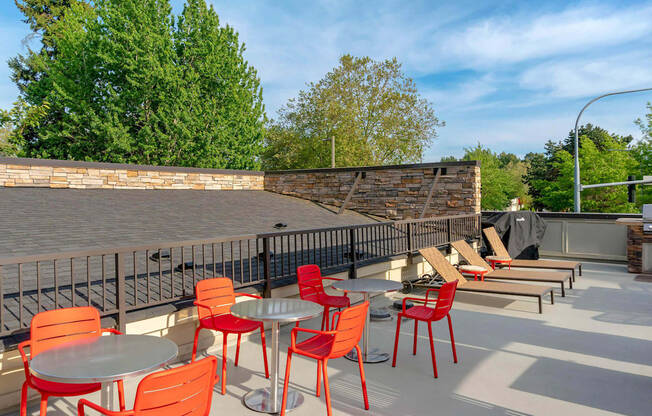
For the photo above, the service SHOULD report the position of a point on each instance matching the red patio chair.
(324, 345)
(185, 390)
(311, 288)
(214, 300)
(443, 305)
(50, 329)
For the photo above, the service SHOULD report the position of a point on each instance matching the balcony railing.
(122, 279)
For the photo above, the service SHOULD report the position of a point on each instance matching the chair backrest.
(495, 242)
(441, 265)
(310, 283)
(218, 293)
(469, 254)
(445, 298)
(350, 325)
(51, 328)
(185, 390)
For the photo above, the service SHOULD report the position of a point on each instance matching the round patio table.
(103, 359)
(275, 311)
(367, 287)
(493, 260)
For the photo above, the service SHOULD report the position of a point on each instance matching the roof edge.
(382, 167)
(120, 166)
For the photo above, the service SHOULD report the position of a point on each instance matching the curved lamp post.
(578, 185)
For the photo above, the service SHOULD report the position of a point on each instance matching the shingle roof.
(38, 220)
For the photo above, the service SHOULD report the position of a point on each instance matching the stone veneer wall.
(635, 240)
(18, 172)
(395, 192)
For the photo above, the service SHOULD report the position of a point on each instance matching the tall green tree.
(371, 108)
(131, 83)
(596, 167)
(501, 176)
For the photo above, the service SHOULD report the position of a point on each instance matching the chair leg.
(398, 331)
(237, 351)
(327, 391)
(44, 405)
(450, 329)
(362, 378)
(286, 382)
(432, 349)
(318, 389)
(224, 335)
(195, 344)
(121, 395)
(23, 400)
(416, 331)
(262, 341)
(325, 319)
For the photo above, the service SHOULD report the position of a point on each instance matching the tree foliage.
(371, 108)
(603, 158)
(500, 174)
(126, 81)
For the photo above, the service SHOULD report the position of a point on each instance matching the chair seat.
(334, 301)
(422, 313)
(318, 346)
(63, 389)
(229, 323)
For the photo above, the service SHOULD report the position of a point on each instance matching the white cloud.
(589, 76)
(461, 96)
(517, 38)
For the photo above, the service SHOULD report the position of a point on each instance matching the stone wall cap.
(120, 166)
(383, 167)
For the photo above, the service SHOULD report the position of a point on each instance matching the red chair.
(443, 305)
(311, 288)
(50, 329)
(324, 345)
(185, 390)
(214, 300)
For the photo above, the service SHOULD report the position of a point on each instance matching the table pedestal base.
(106, 395)
(260, 400)
(373, 356)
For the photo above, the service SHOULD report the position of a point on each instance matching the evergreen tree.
(127, 82)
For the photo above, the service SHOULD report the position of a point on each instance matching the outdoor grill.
(647, 219)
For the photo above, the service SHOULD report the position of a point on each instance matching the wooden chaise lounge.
(499, 250)
(473, 258)
(449, 273)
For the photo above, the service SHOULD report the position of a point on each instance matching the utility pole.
(332, 139)
(578, 184)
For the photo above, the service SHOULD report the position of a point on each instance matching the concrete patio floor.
(589, 354)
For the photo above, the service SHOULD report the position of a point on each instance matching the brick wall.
(395, 192)
(635, 240)
(17, 172)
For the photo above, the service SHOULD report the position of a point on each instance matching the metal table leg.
(106, 395)
(373, 356)
(268, 399)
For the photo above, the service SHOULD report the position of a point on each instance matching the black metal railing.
(121, 279)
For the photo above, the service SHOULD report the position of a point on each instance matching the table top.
(103, 359)
(365, 285)
(276, 309)
(472, 268)
(498, 258)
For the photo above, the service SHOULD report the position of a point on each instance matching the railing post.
(353, 271)
(121, 292)
(449, 221)
(267, 292)
(409, 238)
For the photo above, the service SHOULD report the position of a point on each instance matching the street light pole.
(578, 185)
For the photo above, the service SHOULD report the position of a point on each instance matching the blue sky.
(507, 74)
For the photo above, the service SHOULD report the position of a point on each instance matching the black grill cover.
(521, 232)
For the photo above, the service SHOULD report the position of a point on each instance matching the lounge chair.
(473, 258)
(499, 250)
(450, 274)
